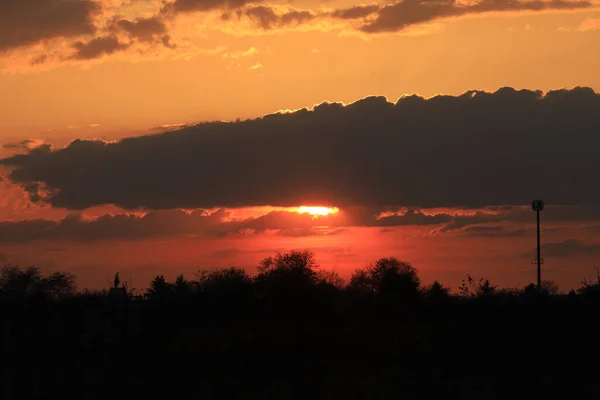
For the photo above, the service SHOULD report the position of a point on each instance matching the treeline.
(283, 276)
(293, 331)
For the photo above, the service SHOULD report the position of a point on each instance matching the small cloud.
(568, 248)
(97, 48)
(236, 55)
(590, 24)
(73, 126)
(26, 144)
(256, 66)
(169, 127)
(315, 51)
(528, 27)
(94, 125)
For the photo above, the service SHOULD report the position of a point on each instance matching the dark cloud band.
(475, 150)
(398, 16)
(26, 22)
(200, 223)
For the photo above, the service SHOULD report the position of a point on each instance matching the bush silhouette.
(477, 289)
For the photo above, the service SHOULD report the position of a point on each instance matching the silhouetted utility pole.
(538, 205)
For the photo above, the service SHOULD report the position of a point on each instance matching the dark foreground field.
(291, 332)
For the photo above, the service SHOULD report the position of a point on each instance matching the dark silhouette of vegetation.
(295, 330)
(17, 283)
(477, 289)
(436, 292)
(388, 277)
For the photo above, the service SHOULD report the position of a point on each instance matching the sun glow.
(317, 210)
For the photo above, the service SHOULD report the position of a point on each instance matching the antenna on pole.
(537, 206)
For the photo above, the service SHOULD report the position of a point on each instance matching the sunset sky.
(163, 137)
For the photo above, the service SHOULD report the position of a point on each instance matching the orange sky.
(209, 77)
(214, 68)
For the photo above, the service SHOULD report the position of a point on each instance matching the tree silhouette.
(361, 282)
(591, 290)
(389, 278)
(243, 336)
(330, 278)
(295, 267)
(289, 278)
(59, 284)
(182, 286)
(226, 291)
(530, 291)
(159, 289)
(224, 282)
(18, 283)
(550, 288)
(436, 292)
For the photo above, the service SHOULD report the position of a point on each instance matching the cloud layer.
(474, 150)
(83, 30)
(26, 22)
(490, 222)
(569, 248)
(398, 16)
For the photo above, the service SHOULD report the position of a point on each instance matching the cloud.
(494, 231)
(146, 30)
(97, 47)
(26, 144)
(169, 223)
(96, 28)
(356, 12)
(27, 22)
(271, 17)
(235, 252)
(473, 150)
(120, 226)
(197, 223)
(236, 55)
(228, 253)
(513, 221)
(398, 16)
(168, 127)
(590, 24)
(222, 223)
(305, 232)
(568, 248)
(189, 6)
(394, 17)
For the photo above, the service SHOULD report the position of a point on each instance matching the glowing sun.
(317, 210)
